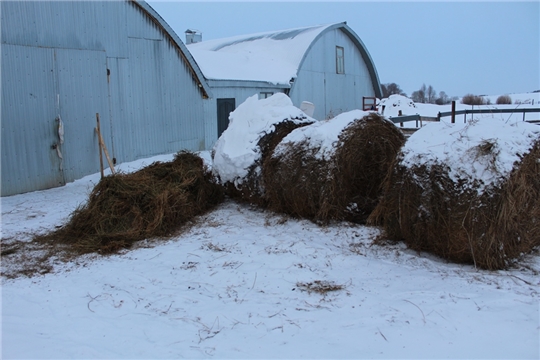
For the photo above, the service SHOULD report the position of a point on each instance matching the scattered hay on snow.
(468, 193)
(255, 128)
(321, 287)
(155, 201)
(332, 170)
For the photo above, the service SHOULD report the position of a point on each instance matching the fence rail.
(420, 119)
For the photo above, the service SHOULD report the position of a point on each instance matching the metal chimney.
(193, 36)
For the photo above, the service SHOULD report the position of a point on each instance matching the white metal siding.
(82, 89)
(319, 83)
(55, 57)
(95, 25)
(28, 126)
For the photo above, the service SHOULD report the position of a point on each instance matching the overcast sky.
(483, 48)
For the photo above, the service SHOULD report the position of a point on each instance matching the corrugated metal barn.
(327, 65)
(64, 61)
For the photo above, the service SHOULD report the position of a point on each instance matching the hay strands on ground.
(155, 201)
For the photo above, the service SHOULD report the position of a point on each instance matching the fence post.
(453, 111)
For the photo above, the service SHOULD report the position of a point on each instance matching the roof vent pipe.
(193, 36)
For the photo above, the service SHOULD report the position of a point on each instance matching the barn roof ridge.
(266, 50)
(197, 74)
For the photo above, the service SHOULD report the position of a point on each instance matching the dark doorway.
(224, 108)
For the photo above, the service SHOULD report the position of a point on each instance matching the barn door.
(224, 108)
(29, 156)
(82, 89)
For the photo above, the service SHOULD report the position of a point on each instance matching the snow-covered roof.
(272, 57)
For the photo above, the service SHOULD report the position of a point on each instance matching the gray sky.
(483, 48)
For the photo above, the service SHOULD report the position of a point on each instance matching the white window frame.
(340, 60)
(265, 94)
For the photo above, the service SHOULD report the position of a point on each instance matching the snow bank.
(394, 103)
(323, 134)
(480, 152)
(523, 99)
(236, 150)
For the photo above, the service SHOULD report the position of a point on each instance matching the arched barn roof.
(198, 77)
(273, 57)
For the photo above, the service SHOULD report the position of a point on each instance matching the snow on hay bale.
(152, 202)
(469, 193)
(396, 105)
(255, 128)
(333, 169)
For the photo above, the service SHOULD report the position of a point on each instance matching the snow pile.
(396, 103)
(237, 150)
(480, 153)
(322, 135)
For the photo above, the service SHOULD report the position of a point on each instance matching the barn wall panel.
(332, 93)
(28, 120)
(88, 25)
(82, 89)
(76, 59)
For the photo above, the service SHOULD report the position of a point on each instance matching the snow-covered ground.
(530, 98)
(239, 284)
(394, 103)
(246, 283)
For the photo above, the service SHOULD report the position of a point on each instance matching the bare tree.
(471, 99)
(419, 96)
(431, 95)
(443, 99)
(504, 99)
(391, 89)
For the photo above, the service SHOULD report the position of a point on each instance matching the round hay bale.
(152, 202)
(467, 193)
(255, 128)
(332, 170)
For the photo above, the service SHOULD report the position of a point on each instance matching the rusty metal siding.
(76, 59)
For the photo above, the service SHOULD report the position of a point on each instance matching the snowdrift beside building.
(255, 128)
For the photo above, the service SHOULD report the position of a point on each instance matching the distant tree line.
(471, 99)
(428, 95)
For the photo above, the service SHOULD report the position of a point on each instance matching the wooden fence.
(420, 119)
